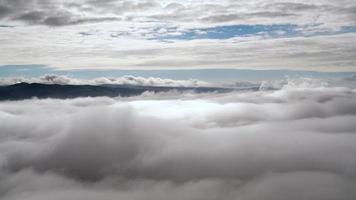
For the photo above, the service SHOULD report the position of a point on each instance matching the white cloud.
(124, 80)
(245, 145)
(70, 50)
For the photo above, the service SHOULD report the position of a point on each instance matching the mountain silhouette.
(22, 91)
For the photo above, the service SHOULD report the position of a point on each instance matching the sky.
(107, 35)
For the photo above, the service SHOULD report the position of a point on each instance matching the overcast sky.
(318, 35)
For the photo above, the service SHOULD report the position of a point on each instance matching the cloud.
(60, 19)
(52, 13)
(124, 80)
(241, 145)
(144, 34)
(318, 53)
(332, 14)
(4, 11)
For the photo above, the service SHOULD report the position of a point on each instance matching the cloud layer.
(331, 14)
(118, 34)
(293, 143)
(124, 80)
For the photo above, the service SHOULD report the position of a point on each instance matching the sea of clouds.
(297, 142)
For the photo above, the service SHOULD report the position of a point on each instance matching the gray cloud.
(4, 11)
(31, 17)
(245, 145)
(47, 12)
(243, 16)
(53, 13)
(332, 13)
(292, 6)
(60, 19)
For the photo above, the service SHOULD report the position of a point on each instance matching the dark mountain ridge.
(22, 91)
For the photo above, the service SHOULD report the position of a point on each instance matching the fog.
(298, 142)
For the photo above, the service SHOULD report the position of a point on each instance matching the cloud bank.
(296, 142)
(124, 80)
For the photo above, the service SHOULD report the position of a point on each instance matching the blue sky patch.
(226, 32)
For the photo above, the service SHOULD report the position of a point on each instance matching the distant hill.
(22, 91)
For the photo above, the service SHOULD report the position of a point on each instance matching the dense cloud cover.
(62, 13)
(298, 142)
(318, 35)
